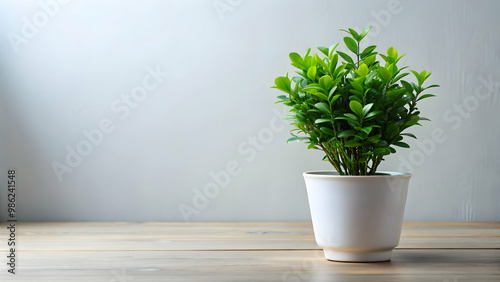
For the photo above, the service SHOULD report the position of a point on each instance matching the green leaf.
(327, 130)
(391, 69)
(349, 119)
(354, 91)
(296, 58)
(401, 144)
(370, 76)
(356, 107)
(434, 85)
(323, 50)
(313, 86)
(419, 78)
(357, 86)
(370, 59)
(385, 75)
(389, 60)
(308, 62)
(368, 50)
(338, 70)
(320, 95)
(346, 133)
(400, 76)
(366, 109)
(311, 73)
(407, 86)
(364, 33)
(326, 82)
(331, 49)
(413, 119)
(296, 139)
(311, 146)
(374, 139)
(354, 34)
(316, 90)
(395, 93)
(400, 57)
(355, 98)
(352, 143)
(332, 91)
(323, 107)
(333, 63)
(367, 129)
(307, 52)
(372, 114)
(314, 110)
(392, 130)
(425, 74)
(425, 96)
(382, 151)
(283, 83)
(321, 120)
(334, 98)
(393, 53)
(409, 134)
(321, 62)
(382, 143)
(362, 71)
(351, 44)
(351, 116)
(337, 80)
(345, 57)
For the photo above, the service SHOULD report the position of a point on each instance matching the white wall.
(72, 71)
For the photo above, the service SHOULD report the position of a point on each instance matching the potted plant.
(356, 109)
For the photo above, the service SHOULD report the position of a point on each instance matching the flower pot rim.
(335, 174)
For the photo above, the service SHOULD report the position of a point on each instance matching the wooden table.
(120, 252)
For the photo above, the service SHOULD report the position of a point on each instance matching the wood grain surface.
(89, 251)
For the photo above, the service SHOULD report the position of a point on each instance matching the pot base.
(358, 256)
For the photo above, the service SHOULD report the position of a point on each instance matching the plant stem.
(357, 53)
(332, 160)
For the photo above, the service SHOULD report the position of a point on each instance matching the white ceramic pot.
(357, 218)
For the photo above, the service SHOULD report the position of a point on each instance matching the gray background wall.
(179, 91)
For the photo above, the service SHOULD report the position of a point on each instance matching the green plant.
(355, 110)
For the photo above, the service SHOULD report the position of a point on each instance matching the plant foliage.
(353, 107)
